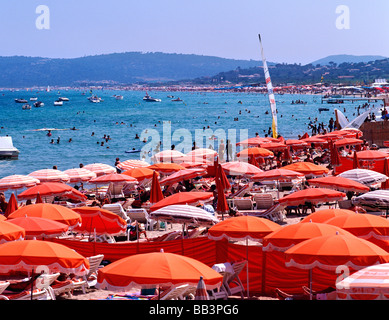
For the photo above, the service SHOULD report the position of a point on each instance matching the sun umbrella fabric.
(100, 168)
(202, 153)
(52, 189)
(100, 221)
(339, 183)
(364, 176)
(39, 228)
(313, 195)
(329, 252)
(385, 185)
(201, 291)
(255, 141)
(238, 168)
(132, 164)
(49, 175)
(165, 167)
(183, 213)
(371, 155)
(140, 174)
(148, 270)
(378, 200)
(191, 198)
(296, 143)
(79, 175)
(274, 146)
(290, 235)
(10, 232)
(49, 211)
(114, 178)
(321, 216)
(30, 254)
(17, 181)
(222, 184)
(315, 140)
(347, 141)
(307, 168)
(12, 205)
(156, 194)
(277, 174)
(167, 156)
(255, 152)
(184, 174)
(243, 228)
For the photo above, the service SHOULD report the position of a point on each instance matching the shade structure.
(243, 228)
(221, 177)
(113, 178)
(204, 153)
(167, 168)
(184, 174)
(222, 184)
(312, 195)
(100, 168)
(193, 159)
(339, 183)
(364, 176)
(356, 132)
(79, 175)
(191, 198)
(132, 164)
(347, 141)
(255, 141)
(100, 221)
(274, 146)
(315, 140)
(32, 254)
(286, 237)
(277, 174)
(255, 152)
(307, 168)
(52, 189)
(39, 228)
(149, 270)
(296, 143)
(201, 290)
(375, 200)
(183, 213)
(335, 157)
(329, 252)
(238, 168)
(140, 174)
(321, 216)
(356, 164)
(17, 181)
(12, 205)
(167, 156)
(49, 175)
(371, 155)
(156, 194)
(370, 283)
(49, 211)
(2, 217)
(10, 232)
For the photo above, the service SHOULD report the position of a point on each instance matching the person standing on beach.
(116, 163)
(222, 149)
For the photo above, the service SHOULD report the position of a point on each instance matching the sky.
(299, 31)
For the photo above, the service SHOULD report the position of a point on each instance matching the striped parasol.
(50, 175)
(378, 199)
(201, 290)
(364, 176)
(100, 168)
(185, 174)
(80, 174)
(132, 164)
(17, 181)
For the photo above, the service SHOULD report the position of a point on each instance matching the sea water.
(239, 115)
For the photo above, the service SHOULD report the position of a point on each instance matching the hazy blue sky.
(292, 31)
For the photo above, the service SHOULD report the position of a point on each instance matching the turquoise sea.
(123, 119)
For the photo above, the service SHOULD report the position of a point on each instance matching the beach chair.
(140, 215)
(220, 293)
(243, 204)
(94, 263)
(117, 209)
(115, 190)
(62, 287)
(3, 285)
(177, 293)
(232, 282)
(274, 213)
(263, 200)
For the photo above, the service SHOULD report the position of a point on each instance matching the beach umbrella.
(39, 228)
(193, 159)
(79, 175)
(296, 143)
(347, 141)
(12, 205)
(100, 221)
(277, 174)
(165, 167)
(357, 133)
(17, 181)
(385, 185)
(255, 142)
(364, 176)
(356, 161)
(100, 168)
(339, 183)
(10, 232)
(38, 198)
(335, 158)
(202, 153)
(140, 174)
(49, 211)
(167, 156)
(307, 168)
(29, 255)
(201, 290)
(375, 200)
(184, 174)
(149, 270)
(191, 198)
(312, 195)
(222, 178)
(371, 155)
(52, 189)
(132, 164)
(49, 175)
(186, 214)
(113, 178)
(255, 152)
(274, 146)
(238, 168)
(321, 216)
(156, 194)
(315, 140)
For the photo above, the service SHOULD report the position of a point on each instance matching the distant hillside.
(340, 58)
(124, 68)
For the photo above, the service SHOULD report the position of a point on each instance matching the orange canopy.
(182, 198)
(49, 211)
(307, 168)
(156, 194)
(30, 254)
(276, 174)
(315, 140)
(329, 252)
(255, 141)
(295, 143)
(339, 183)
(165, 167)
(140, 174)
(52, 189)
(371, 155)
(322, 216)
(274, 146)
(242, 228)
(10, 232)
(184, 174)
(290, 235)
(237, 168)
(313, 195)
(12, 205)
(255, 152)
(347, 141)
(150, 270)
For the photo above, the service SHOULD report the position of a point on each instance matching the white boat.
(34, 99)
(95, 99)
(63, 99)
(26, 107)
(38, 104)
(21, 101)
(118, 97)
(150, 99)
(7, 149)
(58, 103)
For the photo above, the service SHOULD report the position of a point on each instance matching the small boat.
(58, 103)
(323, 109)
(7, 149)
(63, 99)
(150, 99)
(132, 151)
(38, 104)
(118, 97)
(21, 101)
(95, 99)
(34, 99)
(177, 99)
(26, 107)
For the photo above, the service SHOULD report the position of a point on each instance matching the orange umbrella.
(339, 183)
(322, 216)
(296, 143)
(277, 174)
(355, 161)
(286, 237)
(255, 152)
(165, 167)
(100, 221)
(220, 174)
(10, 232)
(114, 178)
(371, 155)
(156, 194)
(256, 141)
(32, 254)
(50, 175)
(312, 195)
(307, 168)
(39, 228)
(12, 205)
(52, 189)
(347, 141)
(49, 211)
(335, 158)
(191, 198)
(38, 198)
(148, 270)
(274, 146)
(221, 185)
(238, 168)
(315, 140)
(140, 174)
(184, 174)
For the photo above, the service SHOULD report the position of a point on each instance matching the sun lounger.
(115, 190)
(263, 200)
(3, 285)
(117, 209)
(176, 293)
(232, 282)
(243, 204)
(274, 213)
(140, 215)
(94, 264)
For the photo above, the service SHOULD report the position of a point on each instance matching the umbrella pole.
(310, 284)
(32, 282)
(247, 267)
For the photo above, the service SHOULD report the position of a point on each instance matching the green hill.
(340, 58)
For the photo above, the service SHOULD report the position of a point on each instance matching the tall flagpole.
(270, 92)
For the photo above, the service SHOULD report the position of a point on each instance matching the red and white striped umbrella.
(50, 175)
(167, 156)
(132, 164)
(17, 181)
(80, 174)
(114, 178)
(100, 168)
(202, 153)
(201, 291)
(183, 175)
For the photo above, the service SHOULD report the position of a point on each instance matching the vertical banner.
(270, 92)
